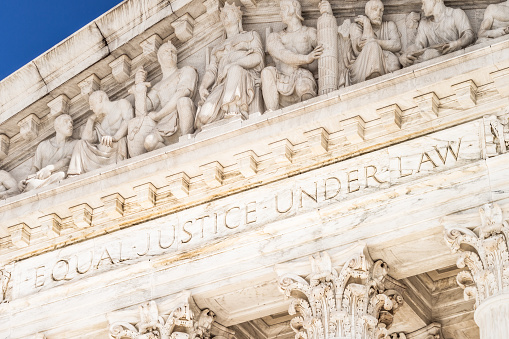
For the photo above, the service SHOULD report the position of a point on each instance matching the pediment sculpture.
(236, 82)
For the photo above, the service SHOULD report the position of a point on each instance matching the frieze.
(210, 223)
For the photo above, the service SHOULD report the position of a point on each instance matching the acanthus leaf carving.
(350, 303)
(484, 252)
(179, 318)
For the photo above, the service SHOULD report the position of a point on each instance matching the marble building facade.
(261, 169)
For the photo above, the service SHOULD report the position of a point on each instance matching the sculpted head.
(231, 15)
(374, 11)
(63, 125)
(428, 7)
(290, 9)
(167, 55)
(97, 101)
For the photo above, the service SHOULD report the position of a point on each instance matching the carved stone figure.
(5, 278)
(442, 30)
(52, 156)
(8, 185)
(293, 50)
(373, 44)
(495, 23)
(169, 103)
(233, 72)
(103, 141)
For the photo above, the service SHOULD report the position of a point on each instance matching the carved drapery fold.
(350, 303)
(177, 319)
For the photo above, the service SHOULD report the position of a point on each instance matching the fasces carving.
(442, 30)
(233, 72)
(484, 252)
(103, 141)
(495, 23)
(373, 44)
(293, 50)
(167, 109)
(351, 303)
(328, 63)
(180, 322)
(52, 156)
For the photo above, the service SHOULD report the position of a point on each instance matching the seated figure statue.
(52, 156)
(495, 23)
(373, 45)
(103, 141)
(169, 102)
(8, 185)
(442, 30)
(293, 50)
(233, 72)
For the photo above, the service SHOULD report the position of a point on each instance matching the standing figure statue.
(169, 103)
(442, 30)
(293, 50)
(233, 72)
(103, 141)
(373, 44)
(495, 23)
(52, 157)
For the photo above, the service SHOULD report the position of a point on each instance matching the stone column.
(350, 303)
(484, 251)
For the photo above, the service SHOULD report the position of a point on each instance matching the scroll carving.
(350, 303)
(487, 256)
(178, 321)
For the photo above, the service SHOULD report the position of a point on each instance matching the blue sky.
(29, 28)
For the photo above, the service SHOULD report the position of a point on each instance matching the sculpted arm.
(255, 58)
(185, 88)
(9, 183)
(209, 78)
(467, 35)
(127, 114)
(394, 43)
(490, 15)
(278, 50)
(88, 133)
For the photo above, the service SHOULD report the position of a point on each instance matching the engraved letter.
(373, 175)
(103, 257)
(401, 174)
(313, 197)
(250, 211)
(172, 239)
(353, 180)
(148, 247)
(449, 147)
(425, 154)
(337, 190)
(89, 265)
(226, 218)
(56, 277)
(289, 207)
(39, 283)
(187, 232)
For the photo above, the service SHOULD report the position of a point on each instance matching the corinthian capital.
(352, 302)
(484, 251)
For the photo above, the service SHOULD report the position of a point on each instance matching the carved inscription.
(186, 230)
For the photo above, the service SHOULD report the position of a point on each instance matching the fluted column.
(484, 251)
(346, 304)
